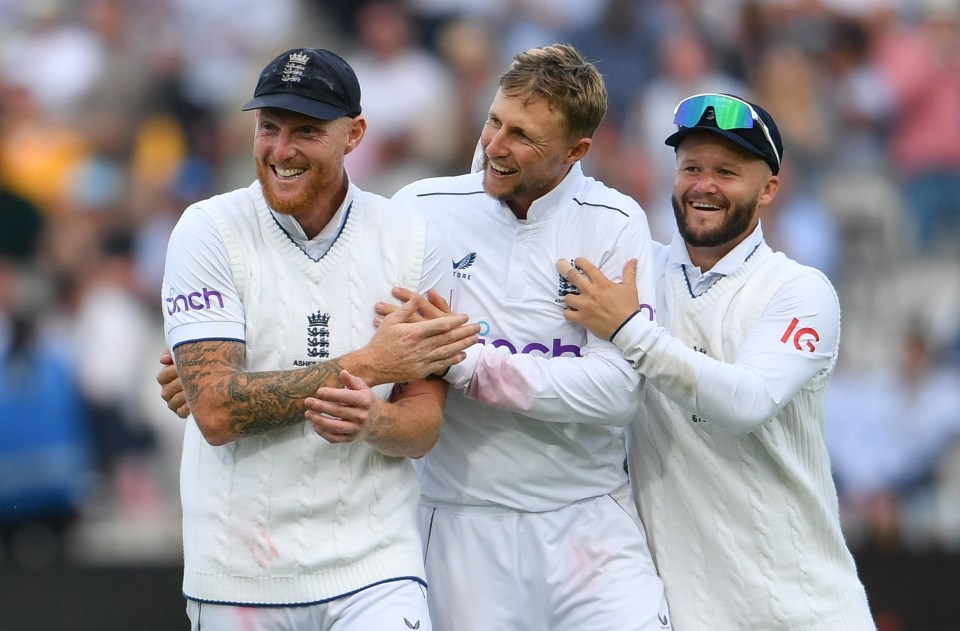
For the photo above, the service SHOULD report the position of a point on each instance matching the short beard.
(522, 188)
(286, 205)
(735, 223)
(517, 191)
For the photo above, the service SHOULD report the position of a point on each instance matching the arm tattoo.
(257, 401)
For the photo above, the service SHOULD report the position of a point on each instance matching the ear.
(358, 127)
(769, 191)
(579, 150)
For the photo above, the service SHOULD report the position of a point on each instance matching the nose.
(496, 144)
(284, 148)
(705, 184)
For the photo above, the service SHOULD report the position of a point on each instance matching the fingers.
(351, 401)
(575, 273)
(340, 414)
(451, 344)
(175, 399)
(404, 294)
(335, 430)
(431, 306)
(404, 312)
(630, 272)
(166, 375)
(439, 302)
(408, 311)
(453, 326)
(352, 382)
(326, 398)
(566, 269)
(591, 271)
(171, 388)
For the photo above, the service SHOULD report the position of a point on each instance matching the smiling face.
(527, 151)
(718, 191)
(299, 163)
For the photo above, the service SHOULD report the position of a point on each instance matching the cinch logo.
(557, 349)
(194, 301)
(463, 264)
(806, 335)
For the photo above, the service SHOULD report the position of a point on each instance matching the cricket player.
(525, 513)
(268, 294)
(727, 459)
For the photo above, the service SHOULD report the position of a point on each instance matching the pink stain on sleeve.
(496, 382)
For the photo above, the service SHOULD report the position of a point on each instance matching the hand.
(602, 305)
(434, 307)
(344, 415)
(171, 389)
(416, 339)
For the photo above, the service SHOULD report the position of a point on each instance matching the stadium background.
(116, 114)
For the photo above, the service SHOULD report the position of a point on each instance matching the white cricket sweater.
(285, 517)
(744, 528)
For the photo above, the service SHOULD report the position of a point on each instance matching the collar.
(564, 190)
(734, 260)
(326, 237)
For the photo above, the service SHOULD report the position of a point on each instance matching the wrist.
(623, 324)
(359, 364)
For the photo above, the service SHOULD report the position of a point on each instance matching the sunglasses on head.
(729, 113)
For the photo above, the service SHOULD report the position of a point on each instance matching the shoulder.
(238, 204)
(791, 269)
(801, 285)
(465, 186)
(593, 193)
(395, 214)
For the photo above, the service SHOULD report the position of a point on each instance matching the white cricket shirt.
(536, 418)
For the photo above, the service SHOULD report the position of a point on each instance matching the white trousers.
(584, 567)
(394, 606)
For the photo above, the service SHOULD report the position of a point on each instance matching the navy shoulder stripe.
(601, 206)
(480, 192)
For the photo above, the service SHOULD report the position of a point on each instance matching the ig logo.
(803, 339)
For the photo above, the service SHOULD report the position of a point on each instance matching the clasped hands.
(420, 337)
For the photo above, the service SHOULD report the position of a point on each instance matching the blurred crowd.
(117, 114)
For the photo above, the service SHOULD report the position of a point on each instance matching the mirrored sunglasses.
(729, 113)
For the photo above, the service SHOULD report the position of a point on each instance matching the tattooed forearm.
(269, 400)
(254, 402)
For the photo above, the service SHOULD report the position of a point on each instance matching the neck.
(320, 215)
(706, 257)
(520, 206)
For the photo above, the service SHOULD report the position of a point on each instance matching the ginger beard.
(289, 203)
(736, 221)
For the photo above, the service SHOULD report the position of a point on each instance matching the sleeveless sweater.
(744, 529)
(284, 517)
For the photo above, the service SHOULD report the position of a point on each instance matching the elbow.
(744, 424)
(216, 439)
(214, 427)
(428, 439)
(625, 416)
(621, 411)
(424, 448)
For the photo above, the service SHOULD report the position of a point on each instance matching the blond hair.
(559, 75)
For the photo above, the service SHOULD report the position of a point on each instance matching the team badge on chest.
(318, 335)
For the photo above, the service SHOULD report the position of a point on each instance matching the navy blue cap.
(310, 81)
